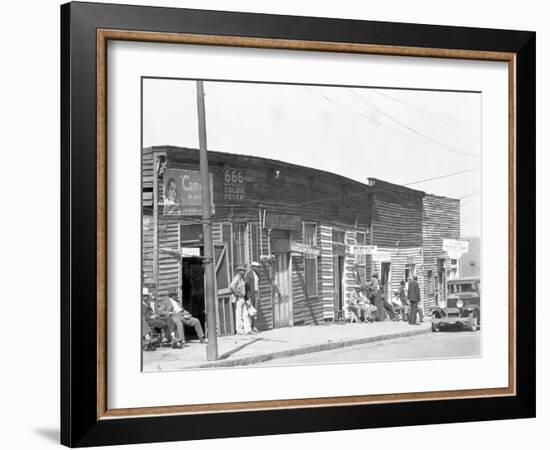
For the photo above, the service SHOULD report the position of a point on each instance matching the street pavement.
(238, 350)
(452, 344)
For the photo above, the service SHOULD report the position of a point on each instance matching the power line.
(440, 177)
(428, 138)
(395, 130)
(433, 114)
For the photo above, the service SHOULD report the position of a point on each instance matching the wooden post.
(209, 275)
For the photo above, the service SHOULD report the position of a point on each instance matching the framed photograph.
(278, 224)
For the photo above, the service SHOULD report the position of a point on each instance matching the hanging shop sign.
(233, 185)
(363, 249)
(455, 248)
(282, 221)
(381, 256)
(304, 248)
(182, 193)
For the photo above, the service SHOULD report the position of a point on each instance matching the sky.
(429, 140)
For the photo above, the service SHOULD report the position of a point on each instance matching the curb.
(254, 359)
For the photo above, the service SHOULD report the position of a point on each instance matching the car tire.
(473, 323)
(435, 326)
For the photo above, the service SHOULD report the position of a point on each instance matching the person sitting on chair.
(170, 307)
(149, 323)
(353, 304)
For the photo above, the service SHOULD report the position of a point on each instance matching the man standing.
(252, 291)
(413, 295)
(238, 292)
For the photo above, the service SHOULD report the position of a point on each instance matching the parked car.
(462, 307)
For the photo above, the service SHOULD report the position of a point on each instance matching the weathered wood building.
(302, 225)
(297, 222)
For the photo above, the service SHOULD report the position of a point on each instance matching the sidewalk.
(240, 350)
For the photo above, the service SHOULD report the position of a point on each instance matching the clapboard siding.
(169, 260)
(440, 220)
(264, 320)
(396, 215)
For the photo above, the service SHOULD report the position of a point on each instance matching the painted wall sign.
(233, 185)
(363, 249)
(182, 192)
(455, 248)
(304, 248)
(281, 221)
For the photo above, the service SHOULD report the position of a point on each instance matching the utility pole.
(209, 293)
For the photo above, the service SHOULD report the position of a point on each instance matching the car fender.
(471, 308)
(438, 310)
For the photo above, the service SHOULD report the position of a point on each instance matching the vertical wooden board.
(327, 271)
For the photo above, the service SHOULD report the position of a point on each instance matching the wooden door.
(281, 290)
(338, 277)
(224, 308)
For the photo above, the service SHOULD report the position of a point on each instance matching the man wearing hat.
(238, 293)
(171, 307)
(252, 292)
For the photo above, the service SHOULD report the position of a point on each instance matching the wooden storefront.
(441, 220)
(296, 222)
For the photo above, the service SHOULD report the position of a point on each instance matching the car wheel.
(435, 325)
(473, 323)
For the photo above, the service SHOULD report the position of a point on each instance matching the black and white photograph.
(341, 224)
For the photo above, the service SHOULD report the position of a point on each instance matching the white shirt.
(177, 307)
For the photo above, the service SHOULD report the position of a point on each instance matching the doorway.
(192, 290)
(338, 276)
(281, 290)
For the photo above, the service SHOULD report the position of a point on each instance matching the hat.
(255, 264)
(240, 267)
(375, 275)
(173, 293)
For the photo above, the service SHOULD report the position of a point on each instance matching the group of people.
(245, 291)
(369, 303)
(167, 322)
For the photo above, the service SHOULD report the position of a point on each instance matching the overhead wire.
(433, 114)
(411, 129)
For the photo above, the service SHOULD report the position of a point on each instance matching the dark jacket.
(250, 285)
(414, 292)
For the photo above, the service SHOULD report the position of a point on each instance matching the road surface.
(450, 344)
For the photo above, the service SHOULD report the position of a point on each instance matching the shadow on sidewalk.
(239, 348)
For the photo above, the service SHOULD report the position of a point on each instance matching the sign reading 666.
(233, 185)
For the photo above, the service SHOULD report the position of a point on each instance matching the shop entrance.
(338, 275)
(440, 281)
(192, 289)
(281, 290)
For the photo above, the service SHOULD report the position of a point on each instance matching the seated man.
(366, 308)
(170, 306)
(149, 323)
(353, 304)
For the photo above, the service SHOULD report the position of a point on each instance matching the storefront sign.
(182, 193)
(304, 248)
(381, 256)
(190, 252)
(233, 185)
(455, 248)
(363, 249)
(281, 221)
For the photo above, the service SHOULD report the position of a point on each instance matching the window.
(361, 259)
(429, 286)
(254, 233)
(310, 261)
(239, 244)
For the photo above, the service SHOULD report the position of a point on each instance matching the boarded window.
(254, 232)
(239, 244)
(310, 261)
